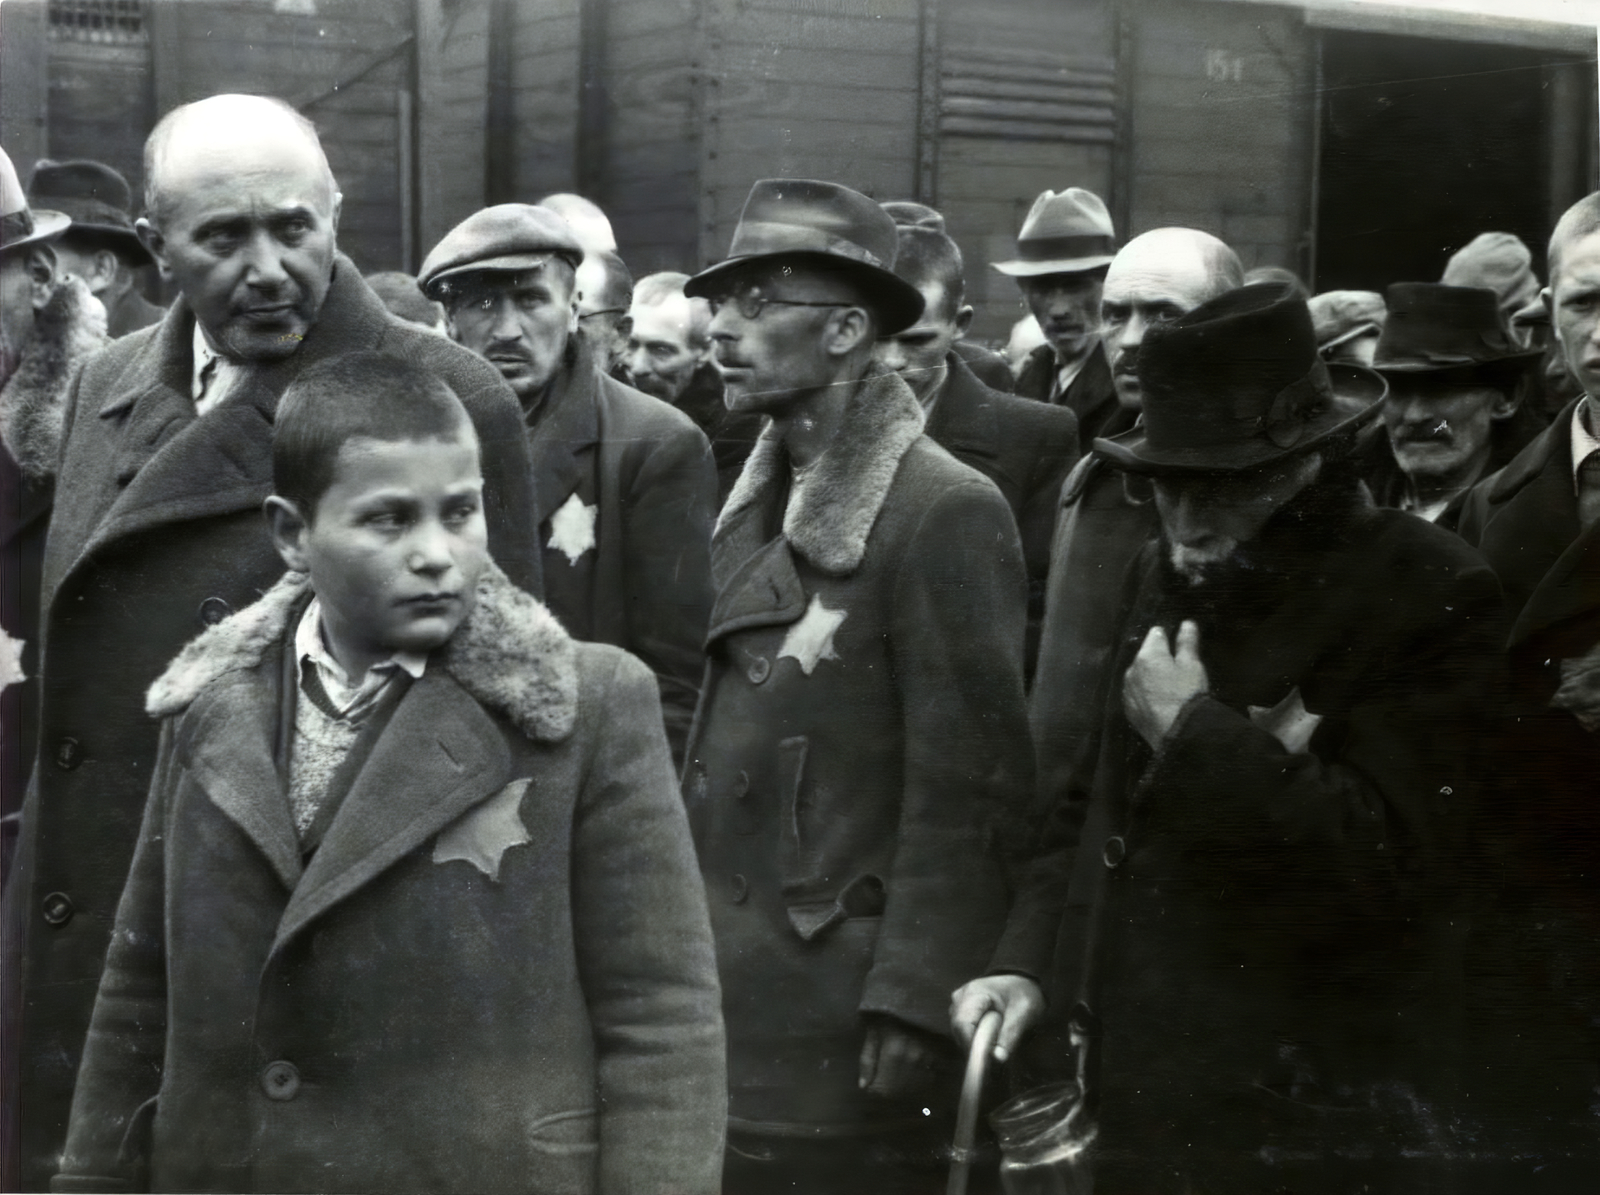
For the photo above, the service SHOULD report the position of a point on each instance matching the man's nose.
(504, 324)
(637, 361)
(1131, 333)
(264, 262)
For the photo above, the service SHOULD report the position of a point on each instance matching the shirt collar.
(1068, 373)
(203, 355)
(1584, 441)
(309, 646)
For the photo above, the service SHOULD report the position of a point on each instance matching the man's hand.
(1161, 679)
(897, 1060)
(1018, 999)
(1579, 691)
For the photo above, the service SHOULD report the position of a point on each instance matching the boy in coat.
(414, 906)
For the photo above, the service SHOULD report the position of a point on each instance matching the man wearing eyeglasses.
(626, 484)
(862, 738)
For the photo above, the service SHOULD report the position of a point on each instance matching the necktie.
(1589, 489)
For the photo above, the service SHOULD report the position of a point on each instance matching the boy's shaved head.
(355, 396)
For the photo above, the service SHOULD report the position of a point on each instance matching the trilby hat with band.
(828, 225)
(20, 226)
(1237, 384)
(1066, 232)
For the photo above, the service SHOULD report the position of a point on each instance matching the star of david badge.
(11, 672)
(483, 836)
(810, 640)
(572, 528)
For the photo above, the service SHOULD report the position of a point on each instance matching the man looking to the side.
(605, 293)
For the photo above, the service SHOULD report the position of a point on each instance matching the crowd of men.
(1213, 695)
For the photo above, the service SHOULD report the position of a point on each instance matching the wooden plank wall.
(810, 89)
(1046, 53)
(545, 82)
(454, 79)
(1222, 119)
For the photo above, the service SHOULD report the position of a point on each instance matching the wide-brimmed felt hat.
(1433, 328)
(1341, 315)
(1236, 384)
(1066, 232)
(94, 196)
(505, 238)
(1499, 261)
(19, 224)
(837, 229)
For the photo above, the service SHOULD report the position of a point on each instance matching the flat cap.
(508, 236)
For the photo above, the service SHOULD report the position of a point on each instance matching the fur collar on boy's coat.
(510, 654)
(67, 331)
(828, 521)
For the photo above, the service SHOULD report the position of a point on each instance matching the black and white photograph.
(800, 597)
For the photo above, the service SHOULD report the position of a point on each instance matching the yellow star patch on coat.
(572, 528)
(810, 640)
(483, 835)
(1289, 722)
(11, 672)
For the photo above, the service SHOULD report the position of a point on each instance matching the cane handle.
(983, 1039)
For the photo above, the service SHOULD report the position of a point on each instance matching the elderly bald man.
(157, 528)
(1105, 519)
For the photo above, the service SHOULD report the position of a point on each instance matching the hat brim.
(47, 225)
(1018, 268)
(895, 301)
(1358, 392)
(1362, 329)
(126, 236)
(1417, 365)
(509, 263)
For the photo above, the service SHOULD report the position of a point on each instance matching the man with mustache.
(1453, 413)
(1267, 980)
(626, 484)
(156, 530)
(1062, 253)
(862, 735)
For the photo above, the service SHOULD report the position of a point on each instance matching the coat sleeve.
(1378, 804)
(645, 954)
(669, 506)
(959, 606)
(120, 1074)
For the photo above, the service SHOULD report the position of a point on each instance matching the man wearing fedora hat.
(861, 739)
(627, 484)
(1268, 976)
(1453, 413)
(1065, 245)
(100, 245)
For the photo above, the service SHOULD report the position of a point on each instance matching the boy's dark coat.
(1273, 947)
(392, 1016)
(1026, 448)
(645, 585)
(845, 792)
(157, 531)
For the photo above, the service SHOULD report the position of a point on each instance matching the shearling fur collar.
(510, 654)
(828, 520)
(67, 332)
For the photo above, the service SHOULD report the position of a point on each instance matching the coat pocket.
(795, 865)
(573, 1134)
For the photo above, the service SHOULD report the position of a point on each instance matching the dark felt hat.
(1433, 328)
(840, 229)
(1066, 232)
(19, 223)
(508, 238)
(96, 198)
(1237, 384)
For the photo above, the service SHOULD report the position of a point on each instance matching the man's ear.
(150, 237)
(1506, 401)
(288, 530)
(847, 329)
(963, 320)
(42, 275)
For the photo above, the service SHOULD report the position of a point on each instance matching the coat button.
(1115, 851)
(739, 889)
(57, 909)
(213, 610)
(759, 670)
(280, 1080)
(741, 785)
(69, 754)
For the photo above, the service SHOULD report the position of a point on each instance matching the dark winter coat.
(494, 973)
(860, 737)
(131, 311)
(732, 433)
(627, 488)
(1026, 448)
(1091, 397)
(1274, 952)
(988, 366)
(157, 532)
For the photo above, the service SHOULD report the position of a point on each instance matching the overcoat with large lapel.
(493, 974)
(860, 742)
(1273, 955)
(1091, 397)
(156, 532)
(636, 477)
(1026, 448)
(1545, 844)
